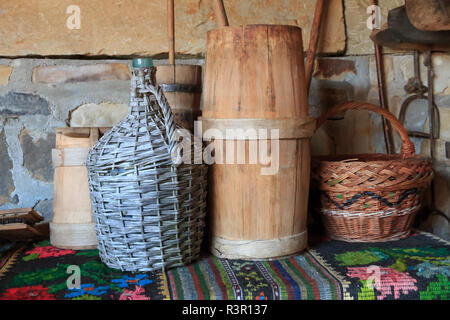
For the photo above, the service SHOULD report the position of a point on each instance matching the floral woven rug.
(414, 268)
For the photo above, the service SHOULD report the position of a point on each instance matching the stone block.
(37, 153)
(45, 209)
(442, 188)
(334, 69)
(356, 16)
(444, 114)
(116, 27)
(73, 73)
(16, 103)
(98, 115)
(437, 225)
(5, 72)
(6, 181)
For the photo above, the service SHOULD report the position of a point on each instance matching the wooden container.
(22, 224)
(182, 86)
(255, 78)
(72, 226)
(428, 15)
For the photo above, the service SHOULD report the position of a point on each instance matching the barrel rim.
(178, 65)
(254, 249)
(253, 26)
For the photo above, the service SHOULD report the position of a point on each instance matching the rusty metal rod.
(431, 120)
(313, 42)
(387, 130)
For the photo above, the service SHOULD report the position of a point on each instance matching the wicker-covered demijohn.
(369, 197)
(148, 206)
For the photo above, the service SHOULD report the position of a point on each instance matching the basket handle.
(407, 148)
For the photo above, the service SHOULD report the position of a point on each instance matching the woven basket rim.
(366, 158)
(332, 167)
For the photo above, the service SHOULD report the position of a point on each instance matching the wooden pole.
(313, 41)
(387, 131)
(171, 30)
(220, 13)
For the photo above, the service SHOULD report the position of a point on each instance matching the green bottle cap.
(142, 62)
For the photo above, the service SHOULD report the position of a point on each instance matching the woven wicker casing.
(149, 211)
(371, 197)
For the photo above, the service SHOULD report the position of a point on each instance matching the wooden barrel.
(255, 79)
(182, 86)
(72, 225)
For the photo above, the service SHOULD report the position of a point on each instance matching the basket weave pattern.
(372, 197)
(149, 211)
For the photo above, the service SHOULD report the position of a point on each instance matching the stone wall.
(39, 95)
(118, 27)
(55, 88)
(361, 132)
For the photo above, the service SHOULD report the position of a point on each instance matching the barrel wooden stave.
(269, 195)
(255, 71)
(70, 183)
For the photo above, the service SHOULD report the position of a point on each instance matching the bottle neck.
(149, 106)
(141, 99)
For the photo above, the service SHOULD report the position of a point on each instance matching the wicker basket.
(149, 209)
(372, 197)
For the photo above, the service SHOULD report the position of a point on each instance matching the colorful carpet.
(414, 268)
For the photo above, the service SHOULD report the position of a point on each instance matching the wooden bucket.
(255, 79)
(182, 86)
(72, 225)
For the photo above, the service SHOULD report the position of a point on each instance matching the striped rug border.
(342, 280)
(305, 276)
(10, 258)
(334, 285)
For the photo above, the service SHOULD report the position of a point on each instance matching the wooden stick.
(313, 41)
(171, 30)
(387, 131)
(220, 13)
